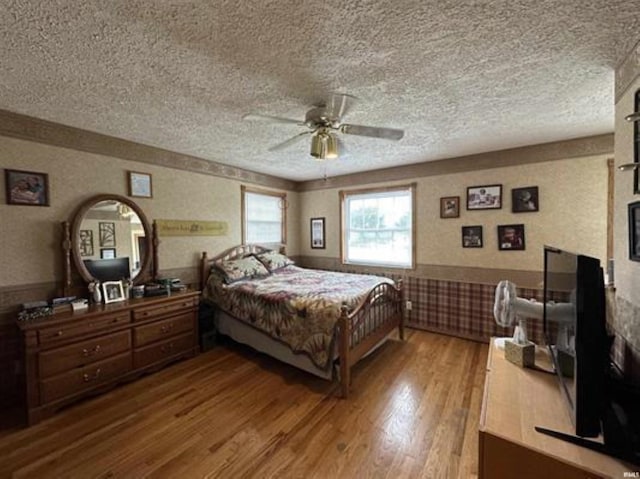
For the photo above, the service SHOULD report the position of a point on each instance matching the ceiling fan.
(324, 122)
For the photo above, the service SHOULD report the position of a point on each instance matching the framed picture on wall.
(107, 233)
(86, 242)
(450, 207)
(634, 231)
(486, 197)
(27, 188)
(317, 233)
(140, 185)
(511, 237)
(524, 200)
(107, 253)
(472, 236)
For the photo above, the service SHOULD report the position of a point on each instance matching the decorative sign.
(191, 228)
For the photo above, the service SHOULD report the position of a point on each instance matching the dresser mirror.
(110, 236)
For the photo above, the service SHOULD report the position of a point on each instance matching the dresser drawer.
(79, 379)
(159, 351)
(163, 329)
(62, 359)
(155, 311)
(57, 334)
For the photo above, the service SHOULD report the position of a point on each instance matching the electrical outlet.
(409, 305)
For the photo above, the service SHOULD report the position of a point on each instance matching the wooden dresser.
(515, 401)
(72, 355)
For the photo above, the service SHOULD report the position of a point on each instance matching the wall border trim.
(15, 125)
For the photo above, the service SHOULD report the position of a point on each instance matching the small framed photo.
(317, 233)
(450, 207)
(140, 185)
(511, 237)
(487, 197)
(113, 291)
(107, 233)
(634, 231)
(524, 200)
(472, 236)
(107, 253)
(27, 188)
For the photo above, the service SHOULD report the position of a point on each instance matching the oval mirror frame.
(76, 222)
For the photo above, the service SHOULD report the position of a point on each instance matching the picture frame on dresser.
(113, 291)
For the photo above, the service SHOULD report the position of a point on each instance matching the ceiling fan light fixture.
(324, 146)
(332, 147)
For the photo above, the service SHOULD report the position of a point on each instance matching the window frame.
(344, 194)
(282, 195)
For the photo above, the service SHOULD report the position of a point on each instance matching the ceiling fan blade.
(339, 104)
(342, 149)
(271, 118)
(290, 141)
(372, 131)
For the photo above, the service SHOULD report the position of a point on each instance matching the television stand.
(515, 401)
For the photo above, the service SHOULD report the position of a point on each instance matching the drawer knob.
(167, 348)
(92, 351)
(59, 333)
(91, 377)
(166, 328)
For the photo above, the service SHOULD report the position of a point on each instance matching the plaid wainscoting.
(463, 309)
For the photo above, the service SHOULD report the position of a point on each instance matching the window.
(378, 226)
(263, 216)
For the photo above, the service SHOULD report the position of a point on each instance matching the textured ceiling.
(458, 77)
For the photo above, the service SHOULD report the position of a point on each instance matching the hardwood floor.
(230, 412)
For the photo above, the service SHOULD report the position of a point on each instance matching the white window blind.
(263, 218)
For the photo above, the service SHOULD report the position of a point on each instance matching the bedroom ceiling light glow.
(324, 146)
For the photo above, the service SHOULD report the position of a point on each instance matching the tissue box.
(524, 355)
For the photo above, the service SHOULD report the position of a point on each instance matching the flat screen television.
(575, 332)
(113, 269)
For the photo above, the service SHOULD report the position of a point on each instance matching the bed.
(320, 321)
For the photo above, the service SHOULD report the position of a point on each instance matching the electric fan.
(508, 308)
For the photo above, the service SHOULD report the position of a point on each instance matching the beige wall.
(30, 236)
(626, 320)
(627, 271)
(572, 216)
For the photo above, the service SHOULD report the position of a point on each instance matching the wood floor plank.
(231, 412)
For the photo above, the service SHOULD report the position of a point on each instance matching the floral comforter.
(299, 307)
